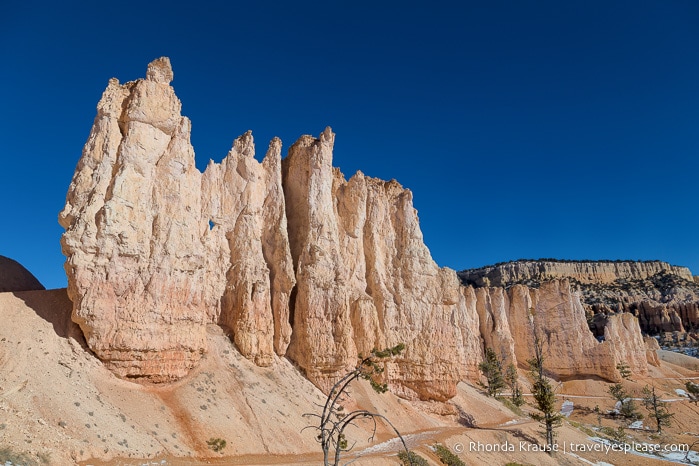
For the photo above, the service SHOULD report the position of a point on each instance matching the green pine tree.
(657, 408)
(491, 368)
(511, 379)
(544, 395)
(624, 370)
(628, 407)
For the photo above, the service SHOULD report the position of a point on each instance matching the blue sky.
(565, 129)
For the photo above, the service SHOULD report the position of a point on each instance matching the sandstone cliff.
(146, 272)
(294, 260)
(136, 262)
(283, 254)
(596, 272)
(249, 262)
(510, 318)
(365, 280)
(664, 297)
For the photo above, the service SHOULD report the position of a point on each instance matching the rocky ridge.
(283, 254)
(291, 258)
(664, 298)
(530, 272)
(511, 318)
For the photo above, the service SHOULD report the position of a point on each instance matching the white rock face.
(289, 256)
(365, 280)
(145, 272)
(135, 261)
(250, 263)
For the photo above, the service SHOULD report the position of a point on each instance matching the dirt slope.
(58, 402)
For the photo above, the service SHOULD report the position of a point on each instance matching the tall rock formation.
(136, 264)
(292, 258)
(156, 251)
(365, 280)
(146, 273)
(493, 307)
(511, 318)
(248, 248)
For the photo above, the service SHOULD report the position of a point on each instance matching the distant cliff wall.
(510, 319)
(584, 272)
(664, 297)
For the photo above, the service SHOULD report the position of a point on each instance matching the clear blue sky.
(565, 129)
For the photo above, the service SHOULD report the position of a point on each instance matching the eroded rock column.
(135, 261)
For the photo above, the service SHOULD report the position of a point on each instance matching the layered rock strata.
(665, 298)
(595, 272)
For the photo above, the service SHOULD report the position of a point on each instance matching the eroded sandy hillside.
(59, 403)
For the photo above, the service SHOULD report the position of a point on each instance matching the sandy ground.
(60, 405)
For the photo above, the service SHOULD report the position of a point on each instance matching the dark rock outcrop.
(14, 277)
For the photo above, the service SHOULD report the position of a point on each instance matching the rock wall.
(136, 263)
(510, 319)
(665, 298)
(289, 256)
(581, 271)
(249, 262)
(365, 280)
(494, 308)
(155, 250)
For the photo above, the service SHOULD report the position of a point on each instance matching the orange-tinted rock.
(365, 280)
(510, 319)
(145, 271)
(135, 261)
(652, 348)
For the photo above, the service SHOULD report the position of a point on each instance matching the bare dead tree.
(333, 421)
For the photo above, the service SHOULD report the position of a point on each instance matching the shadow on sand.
(55, 308)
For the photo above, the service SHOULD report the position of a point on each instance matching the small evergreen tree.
(491, 368)
(511, 379)
(657, 408)
(624, 370)
(410, 458)
(544, 395)
(627, 407)
(617, 391)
